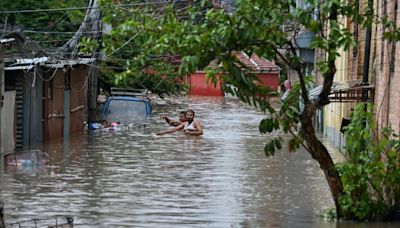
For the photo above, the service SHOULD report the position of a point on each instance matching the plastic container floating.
(26, 158)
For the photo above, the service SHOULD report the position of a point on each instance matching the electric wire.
(87, 7)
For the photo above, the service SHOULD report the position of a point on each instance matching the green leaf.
(278, 144)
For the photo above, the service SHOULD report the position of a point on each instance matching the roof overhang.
(26, 67)
(4, 41)
(28, 64)
(350, 91)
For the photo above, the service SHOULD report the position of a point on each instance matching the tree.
(200, 35)
(48, 28)
(123, 43)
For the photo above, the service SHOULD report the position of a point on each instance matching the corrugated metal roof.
(32, 61)
(27, 64)
(62, 63)
(3, 41)
(257, 63)
(342, 87)
(25, 67)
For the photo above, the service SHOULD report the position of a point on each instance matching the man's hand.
(166, 119)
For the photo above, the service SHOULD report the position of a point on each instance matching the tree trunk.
(319, 152)
(2, 224)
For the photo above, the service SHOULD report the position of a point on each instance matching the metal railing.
(129, 92)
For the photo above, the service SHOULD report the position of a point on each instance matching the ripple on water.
(137, 179)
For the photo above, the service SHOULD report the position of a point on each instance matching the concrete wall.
(199, 85)
(349, 67)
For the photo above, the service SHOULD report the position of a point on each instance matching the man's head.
(288, 85)
(182, 116)
(189, 115)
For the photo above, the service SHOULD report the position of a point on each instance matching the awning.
(62, 63)
(27, 64)
(347, 91)
(32, 61)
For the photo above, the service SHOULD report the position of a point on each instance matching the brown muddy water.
(133, 178)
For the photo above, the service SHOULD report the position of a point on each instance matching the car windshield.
(126, 111)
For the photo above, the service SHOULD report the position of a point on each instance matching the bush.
(371, 176)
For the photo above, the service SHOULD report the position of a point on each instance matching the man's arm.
(170, 122)
(179, 127)
(198, 131)
(174, 123)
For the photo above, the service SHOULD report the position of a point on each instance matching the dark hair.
(190, 110)
(182, 113)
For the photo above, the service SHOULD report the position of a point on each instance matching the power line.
(55, 32)
(85, 8)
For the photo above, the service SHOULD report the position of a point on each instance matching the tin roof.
(257, 63)
(3, 41)
(27, 64)
(345, 91)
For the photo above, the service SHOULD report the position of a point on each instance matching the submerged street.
(134, 178)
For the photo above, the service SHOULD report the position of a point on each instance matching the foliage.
(200, 36)
(43, 26)
(122, 47)
(329, 215)
(371, 176)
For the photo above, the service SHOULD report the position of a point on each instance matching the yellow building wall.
(334, 112)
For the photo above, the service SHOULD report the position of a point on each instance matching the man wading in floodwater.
(190, 127)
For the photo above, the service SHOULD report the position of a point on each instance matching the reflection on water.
(137, 179)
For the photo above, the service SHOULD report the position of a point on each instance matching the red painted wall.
(199, 85)
(271, 80)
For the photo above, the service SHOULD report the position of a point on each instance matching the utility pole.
(368, 34)
(91, 23)
(2, 53)
(94, 71)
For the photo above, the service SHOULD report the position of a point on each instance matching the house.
(267, 72)
(373, 63)
(46, 99)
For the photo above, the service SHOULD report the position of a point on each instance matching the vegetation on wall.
(371, 174)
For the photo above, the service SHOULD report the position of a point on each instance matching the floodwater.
(133, 178)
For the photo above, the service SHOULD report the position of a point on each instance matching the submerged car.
(127, 106)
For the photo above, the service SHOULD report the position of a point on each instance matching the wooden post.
(92, 94)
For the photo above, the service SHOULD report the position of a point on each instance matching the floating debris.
(26, 158)
(58, 222)
(50, 222)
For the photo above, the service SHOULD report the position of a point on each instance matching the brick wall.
(387, 69)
